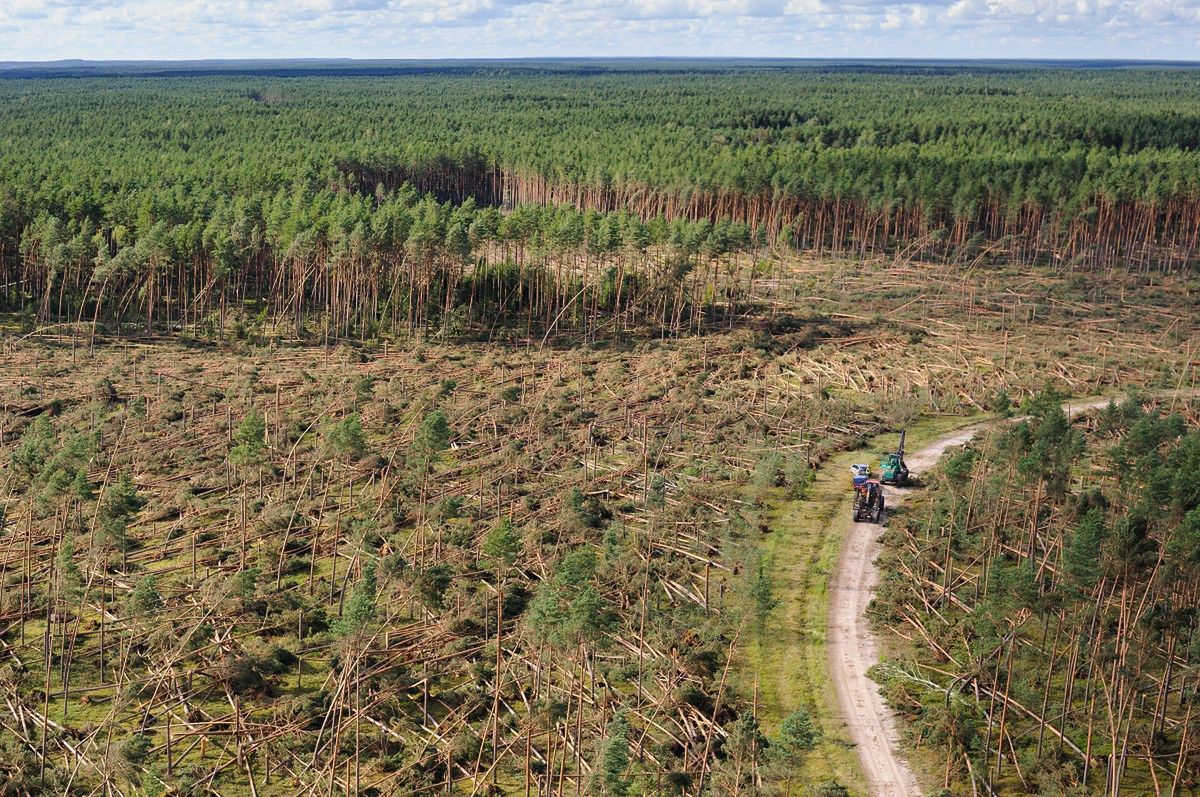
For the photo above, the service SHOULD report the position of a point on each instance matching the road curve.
(853, 649)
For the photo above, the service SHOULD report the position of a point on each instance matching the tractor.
(868, 501)
(892, 469)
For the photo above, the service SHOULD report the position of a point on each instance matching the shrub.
(136, 749)
(830, 788)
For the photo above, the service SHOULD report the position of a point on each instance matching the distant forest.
(130, 191)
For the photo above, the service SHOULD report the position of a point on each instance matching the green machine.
(892, 469)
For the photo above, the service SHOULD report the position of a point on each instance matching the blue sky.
(140, 29)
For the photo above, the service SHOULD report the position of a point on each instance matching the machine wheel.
(879, 511)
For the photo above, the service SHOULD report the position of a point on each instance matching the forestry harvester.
(892, 469)
(868, 495)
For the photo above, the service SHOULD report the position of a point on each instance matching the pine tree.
(121, 498)
(249, 441)
(72, 579)
(798, 734)
(345, 438)
(614, 758)
(145, 598)
(432, 438)
(360, 609)
(502, 545)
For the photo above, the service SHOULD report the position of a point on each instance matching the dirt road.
(853, 649)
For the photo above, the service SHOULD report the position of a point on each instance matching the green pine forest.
(372, 200)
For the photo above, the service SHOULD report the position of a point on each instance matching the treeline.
(1048, 593)
(343, 264)
(1075, 167)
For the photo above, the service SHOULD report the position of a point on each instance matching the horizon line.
(611, 58)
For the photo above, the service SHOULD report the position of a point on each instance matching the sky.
(41, 30)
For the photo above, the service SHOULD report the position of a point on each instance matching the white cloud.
(100, 29)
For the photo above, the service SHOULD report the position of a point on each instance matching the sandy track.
(853, 649)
